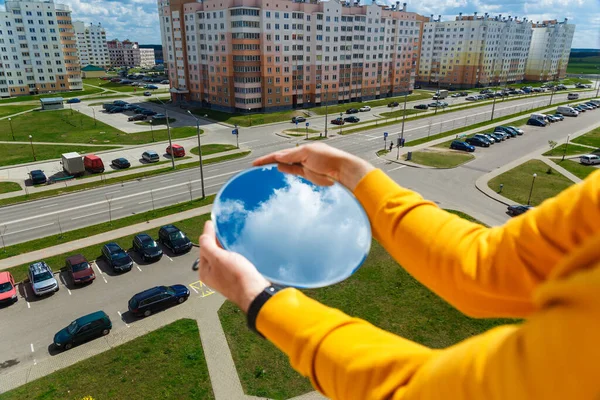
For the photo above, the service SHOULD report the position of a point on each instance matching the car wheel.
(68, 346)
(180, 300)
(147, 313)
(105, 332)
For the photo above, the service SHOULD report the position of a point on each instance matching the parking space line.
(138, 267)
(28, 305)
(34, 362)
(170, 259)
(99, 271)
(194, 289)
(121, 316)
(31, 347)
(402, 166)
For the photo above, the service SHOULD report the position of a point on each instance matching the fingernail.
(196, 264)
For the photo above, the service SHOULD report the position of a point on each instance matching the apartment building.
(38, 50)
(91, 44)
(474, 51)
(549, 50)
(147, 58)
(250, 55)
(124, 54)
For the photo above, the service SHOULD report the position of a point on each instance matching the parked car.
(146, 93)
(37, 177)
(177, 151)
(158, 298)
(559, 116)
(116, 109)
(393, 104)
(73, 100)
(477, 141)
(421, 106)
(120, 163)
(455, 95)
(589, 159)
(137, 117)
(146, 247)
(364, 108)
(498, 136)
(593, 105)
(518, 210)
(458, 145)
(551, 118)
(506, 130)
(587, 107)
(79, 269)
(42, 279)
(471, 98)
(298, 119)
(148, 112)
(93, 164)
(165, 82)
(8, 289)
(151, 87)
(484, 138)
(117, 258)
(490, 138)
(337, 121)
(352, 111)
(108, 106)
(518, 131)
(158, 117)
(535, 122)
(174, 239)
(352, 119)
(82, 330)
(150, 156)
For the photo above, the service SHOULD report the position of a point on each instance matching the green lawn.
(380, 292)
(579, 170)
(399, 113)
(592, 138)
(118, 87)
(6, 187)
(10, 110)
(109, 95)
(13, 154)
(465, 216)
(517, 182)
(584, 65)
(64, 126)
(64, 95)
(208, 149)
(337, 108)
(572, 149)
(440, 159)
(382, 152)
(167, 363)
(247, 119)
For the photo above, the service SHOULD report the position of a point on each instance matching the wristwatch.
(257, 304)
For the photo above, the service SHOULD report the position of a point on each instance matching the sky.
(138, 19)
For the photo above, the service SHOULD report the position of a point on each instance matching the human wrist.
(249, 292)
(352, 170)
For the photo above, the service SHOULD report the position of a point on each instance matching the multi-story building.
(147, 58)
(474, 51)
(38, 50)
(91, 44)
(249, 55)
(158, 51)
(124, 54)
(549, 50)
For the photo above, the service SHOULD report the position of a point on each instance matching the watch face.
(294, 232)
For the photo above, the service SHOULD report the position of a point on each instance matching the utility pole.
(32, 150)
(566, 145)
(326, 114)
(237, 135)
(168, 131)
(200, 152)
(404, 115)
(11, 128)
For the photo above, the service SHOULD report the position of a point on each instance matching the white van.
(567, 111)
(572, 96)
(589, 159)
(540, 117)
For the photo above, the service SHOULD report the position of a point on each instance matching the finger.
(269, 158)
(207, 240)
(317, 179)
(291, 169)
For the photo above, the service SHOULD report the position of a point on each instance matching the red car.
(178, 151)
(338, 121)
(8, 290)
(80, 269)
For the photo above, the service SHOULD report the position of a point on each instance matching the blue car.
(464, 146)
(158, 298)
(535, 122)
(151, 87)
(37, 177)
(73, 100)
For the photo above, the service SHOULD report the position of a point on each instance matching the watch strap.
(258, 303)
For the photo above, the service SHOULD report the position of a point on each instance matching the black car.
(174, 239)
(393, 104)
(157, 298)
(116, 257)
(298, 119)
(352, 111)
(148, 112)
(518, 210)
(120, 163)
(116, 109)
(146, 247)
(37, 177)
(475, 141)
(463, 94)
(137, 117)
(352, 119)
(421, 106)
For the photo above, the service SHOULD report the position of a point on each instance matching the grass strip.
(440, 159)
(14, 154)
(167, 363)
(64, 95)
(6, 187)
(10, 110)
(90, 185)
(581, 171)
(337, 108)
(569, 150)
(592, 138)
(213, 148)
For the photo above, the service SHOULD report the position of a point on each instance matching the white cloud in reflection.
(300, 234)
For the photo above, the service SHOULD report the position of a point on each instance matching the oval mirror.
(295, 232)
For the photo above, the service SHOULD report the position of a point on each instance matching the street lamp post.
(199, 152)
(249, 119)
(168, 131)
(11, 128)
(341, 122)
(32, 150)
(94, 113)
(493, 107)
(566, 145)
(237, 136)
(403, 116)
(531, 190)
(326, 114)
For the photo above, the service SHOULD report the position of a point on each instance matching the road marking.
(28, 305)
(114, 191)
(32, 347)
(68, 290)
(28, 229)
(251, 141)
(201, 287)
(194, 289)
(34, 362)
(99, 271)
(138, 267)
(49, 205)
(402, 166)
(166, 180)
(121, 316)
(96, 213)
(170, 259)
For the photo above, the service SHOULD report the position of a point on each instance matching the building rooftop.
(51, 100)
(90, 68)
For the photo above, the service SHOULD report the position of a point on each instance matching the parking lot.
(29, 325)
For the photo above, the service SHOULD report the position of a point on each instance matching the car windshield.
(5, 287)
(176, 235)
(44, 276)
(80, 267)
(119, 255)
(72, 328)
(149, 244)
(170, 290)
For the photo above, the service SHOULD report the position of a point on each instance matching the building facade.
(549, 50)
(158, 51)
(124, 54)
(250, 55)
(91, 44)
(474, 51)
(38, 50)
(147, 58)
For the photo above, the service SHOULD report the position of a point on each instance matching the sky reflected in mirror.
(294, 232)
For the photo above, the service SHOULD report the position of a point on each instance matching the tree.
(552, 144)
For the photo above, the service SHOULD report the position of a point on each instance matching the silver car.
(42, 279)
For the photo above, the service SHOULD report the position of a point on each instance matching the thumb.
(208, 241)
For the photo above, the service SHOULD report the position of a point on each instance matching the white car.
(364, 108)
(589, 159)
(471, 98)
(521, 131)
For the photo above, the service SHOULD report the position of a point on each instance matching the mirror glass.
(294, 232)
